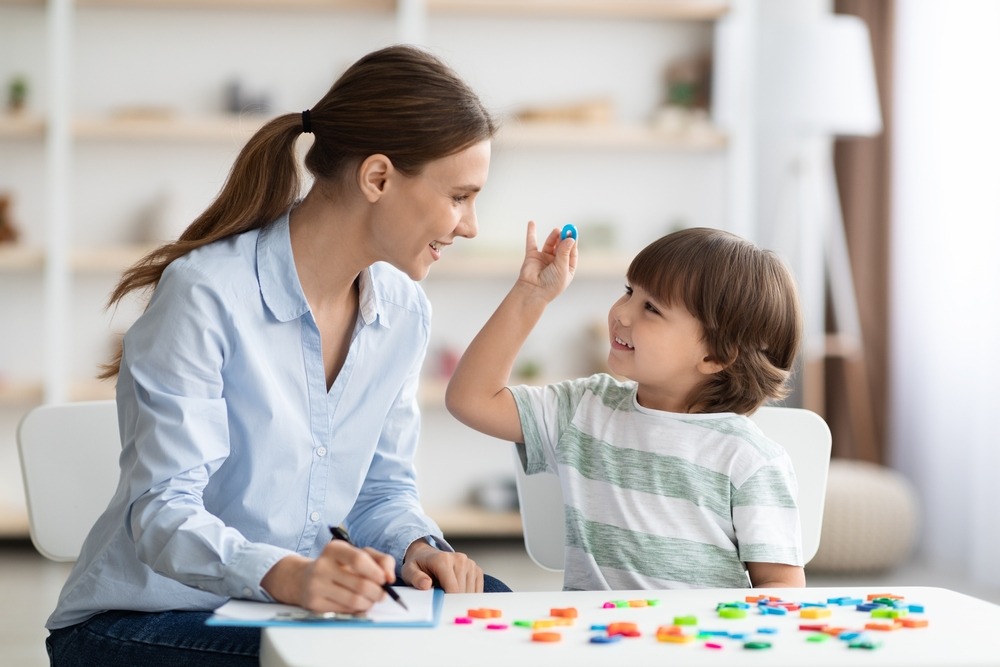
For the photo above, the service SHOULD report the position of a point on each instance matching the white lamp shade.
(811, 77)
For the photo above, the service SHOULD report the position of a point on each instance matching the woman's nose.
(468, 227)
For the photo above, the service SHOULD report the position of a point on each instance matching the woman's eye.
(458, 199)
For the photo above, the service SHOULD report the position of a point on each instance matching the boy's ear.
(711, 366)
(373, 176)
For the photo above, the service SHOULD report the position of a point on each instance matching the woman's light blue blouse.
(234, 454)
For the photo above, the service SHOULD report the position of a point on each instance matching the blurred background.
(857, 138)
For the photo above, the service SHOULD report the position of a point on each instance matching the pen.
(339, 534)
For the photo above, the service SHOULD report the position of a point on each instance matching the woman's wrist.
(281, 582)
(416, 546)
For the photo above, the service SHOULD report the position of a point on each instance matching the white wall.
(946, 278)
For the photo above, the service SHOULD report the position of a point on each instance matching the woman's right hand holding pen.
(344, 579)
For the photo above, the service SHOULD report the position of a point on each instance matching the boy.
(666, 481)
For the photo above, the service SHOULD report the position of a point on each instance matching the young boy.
(666, 481)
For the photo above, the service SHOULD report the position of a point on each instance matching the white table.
(962, 631)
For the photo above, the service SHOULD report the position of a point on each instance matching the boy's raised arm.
(477, 393)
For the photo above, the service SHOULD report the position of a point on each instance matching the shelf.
(677, 10)
(460, 264)
(607, 136)
(167, 127)
(468, 521)
(24, 393)
(20, 392)
(338, 5)
(470, 264)
(21, 126)
(21, 258)
(465, 265)
(13, 523)
(153, 127)
(92, 390)
(109, 259)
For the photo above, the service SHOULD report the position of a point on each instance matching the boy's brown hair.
(747, 304)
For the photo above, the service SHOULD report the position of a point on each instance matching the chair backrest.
(803, 433)
(69, 462)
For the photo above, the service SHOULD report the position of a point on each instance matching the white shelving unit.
(99, 165)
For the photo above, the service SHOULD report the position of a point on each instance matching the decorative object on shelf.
(688, 82)
(17, 94)
(676, 121)
(137, 112)
(239, 101)
(8, 232)
(601, 110)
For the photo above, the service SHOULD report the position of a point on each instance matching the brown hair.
(399, 101)
(747, 303)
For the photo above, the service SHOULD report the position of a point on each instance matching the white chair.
(69, 462)
(803, 433)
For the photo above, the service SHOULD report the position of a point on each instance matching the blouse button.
(321, 451)
(314, 516)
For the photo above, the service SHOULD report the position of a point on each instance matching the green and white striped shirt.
(658, 499)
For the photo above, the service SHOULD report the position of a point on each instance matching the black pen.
(339, 534)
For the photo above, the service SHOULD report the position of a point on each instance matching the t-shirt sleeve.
(544, 411)
(766, 517)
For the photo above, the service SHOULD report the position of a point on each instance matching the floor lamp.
(815, 80)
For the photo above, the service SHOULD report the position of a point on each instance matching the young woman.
(268, 391)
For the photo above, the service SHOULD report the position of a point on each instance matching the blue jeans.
(168, 638)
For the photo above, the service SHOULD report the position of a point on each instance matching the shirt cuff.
(438, 543)
(247, 570)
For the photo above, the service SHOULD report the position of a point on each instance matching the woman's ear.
(373, 176)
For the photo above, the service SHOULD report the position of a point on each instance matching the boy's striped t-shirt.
(657, 499)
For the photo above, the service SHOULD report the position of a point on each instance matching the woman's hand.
(454, 572)
(342, 579)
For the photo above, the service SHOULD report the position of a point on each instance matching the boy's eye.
(628, 290)
(651, 308)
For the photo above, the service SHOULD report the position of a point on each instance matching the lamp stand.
(825, 268)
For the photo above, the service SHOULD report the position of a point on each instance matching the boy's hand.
(551, 269)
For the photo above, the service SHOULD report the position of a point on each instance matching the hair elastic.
(306, 121)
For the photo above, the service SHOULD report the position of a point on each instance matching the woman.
(268, 391)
